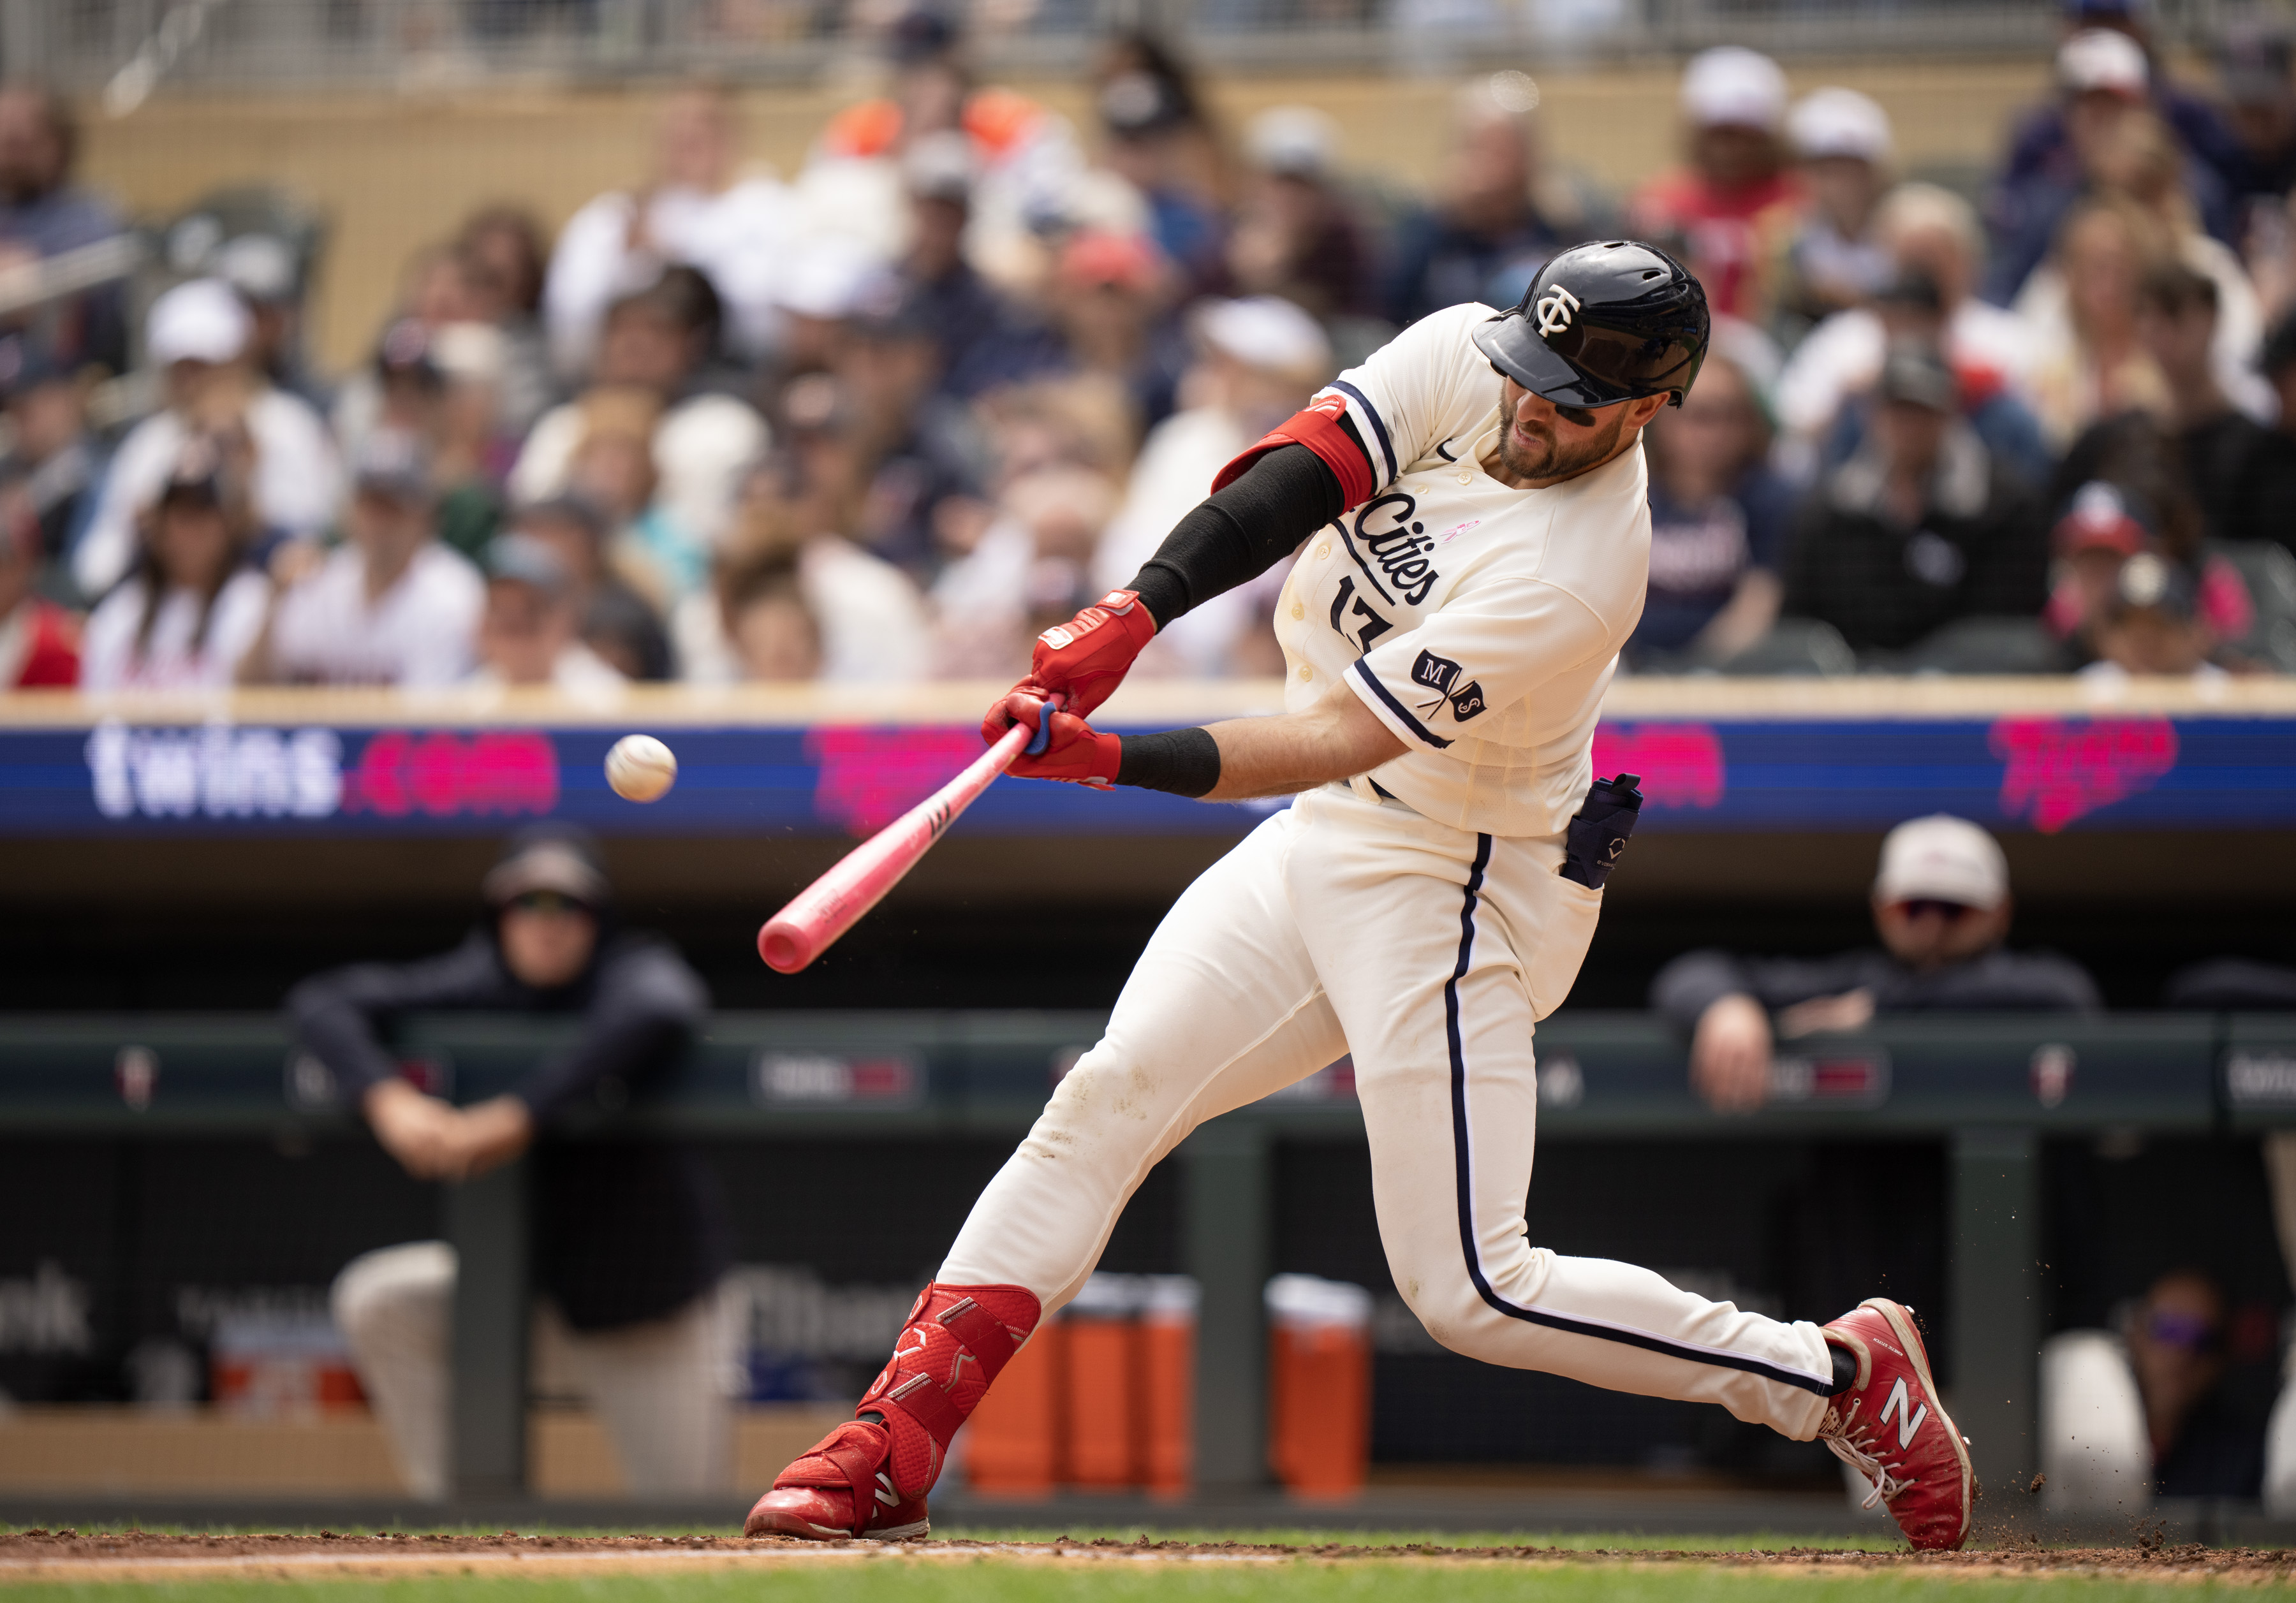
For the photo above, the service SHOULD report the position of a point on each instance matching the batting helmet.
(1604, 323)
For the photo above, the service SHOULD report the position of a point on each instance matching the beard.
(1551, 457)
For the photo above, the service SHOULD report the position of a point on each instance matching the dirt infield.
(139, 1555)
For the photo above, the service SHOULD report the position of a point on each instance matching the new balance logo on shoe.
(1909, 1417)
(885, 1493)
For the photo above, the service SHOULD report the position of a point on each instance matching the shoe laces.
(1853, 1444)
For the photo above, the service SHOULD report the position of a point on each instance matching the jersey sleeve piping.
(1387, 710)
(1378, 426)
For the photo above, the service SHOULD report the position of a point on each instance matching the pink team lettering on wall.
(1681, 765)
(870, 777)
(2063, 769)
(495, 772)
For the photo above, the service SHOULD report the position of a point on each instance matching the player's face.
(1545, 443)
(547, 940)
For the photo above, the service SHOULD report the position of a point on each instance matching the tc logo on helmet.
(1554, 308)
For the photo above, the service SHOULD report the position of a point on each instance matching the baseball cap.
(832, 277)
(940, 167)
(523, 560)
(576, 511)
(2149, 581)
(404, 351)
(1134, 104)
(1265, 332)
(1732, 85)
(261, 267)
(202, 320)
(393, 462)
(2103, 60)
(1917, 372)
(2104, 517)
(1099, 258)
(549, 857)
(1292, 142)
(1840, 122)
(1942, 858)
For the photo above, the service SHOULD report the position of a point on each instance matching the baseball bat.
(834, 904)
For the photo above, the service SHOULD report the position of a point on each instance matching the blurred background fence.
(130, 44)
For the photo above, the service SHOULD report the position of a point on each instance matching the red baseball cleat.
(869, 1477)
(1890, 1427)
(847, 1468)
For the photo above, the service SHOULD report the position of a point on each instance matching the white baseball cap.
(2103, 59)
(1733, 86)
(1840, 122)
(1266, 331)
(1292, 142)
(202, 321)
(1942, 858)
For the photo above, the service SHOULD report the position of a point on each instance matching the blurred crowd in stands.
(884, 418)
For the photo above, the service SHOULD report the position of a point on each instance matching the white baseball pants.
(1347, 924)
(659, 1386)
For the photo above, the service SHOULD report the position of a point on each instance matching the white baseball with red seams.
(1414, 917)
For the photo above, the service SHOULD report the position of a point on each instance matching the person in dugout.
(630, 1235)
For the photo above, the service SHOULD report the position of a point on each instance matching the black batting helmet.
(1604, 323)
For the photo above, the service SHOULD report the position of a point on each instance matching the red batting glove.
(1082, 660)
(1077, 752)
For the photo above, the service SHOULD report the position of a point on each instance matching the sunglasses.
(2185, 1332)
(1931, 907)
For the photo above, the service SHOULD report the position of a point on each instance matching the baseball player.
(1471, 515)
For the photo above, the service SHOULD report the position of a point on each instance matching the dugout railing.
(1990, 1090)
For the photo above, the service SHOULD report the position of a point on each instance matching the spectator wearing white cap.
(1296, 233)
(391, 606)
(1258, 360)
(1501, 208)
(1941, 906)
(198, 335)
(1835, 257)
(2104, 80)
(699, 209)
(1736, 190)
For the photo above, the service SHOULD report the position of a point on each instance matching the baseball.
(640, 768)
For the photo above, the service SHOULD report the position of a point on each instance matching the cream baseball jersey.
(1480, 622)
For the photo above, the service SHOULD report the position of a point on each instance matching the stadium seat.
(1985, 645)
(1797, 648)
(2271, 574)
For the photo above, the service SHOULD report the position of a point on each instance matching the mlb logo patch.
(1467, 700)
(1436, 673)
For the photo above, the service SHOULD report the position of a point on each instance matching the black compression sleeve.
(1186, 762)
(1241, 532)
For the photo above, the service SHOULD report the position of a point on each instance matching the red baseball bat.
(834, 904)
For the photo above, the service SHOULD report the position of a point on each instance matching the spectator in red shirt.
(39, 641)
(1717, 212)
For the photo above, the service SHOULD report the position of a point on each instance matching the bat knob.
(780, 947)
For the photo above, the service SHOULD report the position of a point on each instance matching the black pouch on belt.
(1598, 835)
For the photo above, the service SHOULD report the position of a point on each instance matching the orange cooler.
(1011, 1444)
(1319, 1385)
(1168, 1384)
(1101, 1394)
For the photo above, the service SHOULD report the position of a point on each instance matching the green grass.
(992, 1581)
